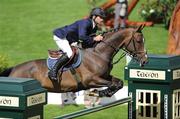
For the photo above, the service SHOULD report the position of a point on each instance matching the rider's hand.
(98, 38)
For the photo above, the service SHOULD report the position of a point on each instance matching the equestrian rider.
(79, 30)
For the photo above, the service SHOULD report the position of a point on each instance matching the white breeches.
(64, 45)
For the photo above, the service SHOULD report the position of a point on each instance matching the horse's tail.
(6, 72)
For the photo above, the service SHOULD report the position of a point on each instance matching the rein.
(116, 51)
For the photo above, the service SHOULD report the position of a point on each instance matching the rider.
(79, 30)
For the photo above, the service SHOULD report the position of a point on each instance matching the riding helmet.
(98, 12)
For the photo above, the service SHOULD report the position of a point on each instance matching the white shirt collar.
(93, 24)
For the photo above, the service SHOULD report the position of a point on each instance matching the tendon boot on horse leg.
(108, 92)
(111, 90)
(61, 61)
(113, 87)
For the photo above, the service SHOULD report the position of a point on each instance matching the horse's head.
(130, 40)
(134, 46)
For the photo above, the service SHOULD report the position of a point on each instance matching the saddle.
(55, 53)
(74, 61)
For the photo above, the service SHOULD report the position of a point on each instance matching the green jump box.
(21, 98)
(155, 88)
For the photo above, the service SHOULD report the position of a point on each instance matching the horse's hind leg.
(112, 89)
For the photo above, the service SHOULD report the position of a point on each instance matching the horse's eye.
(140, 40)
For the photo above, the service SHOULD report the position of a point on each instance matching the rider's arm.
(84, 36)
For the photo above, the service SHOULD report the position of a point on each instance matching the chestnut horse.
(94, 71)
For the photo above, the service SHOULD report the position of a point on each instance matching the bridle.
(132, 53)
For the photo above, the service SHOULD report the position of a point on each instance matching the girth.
(77, 78)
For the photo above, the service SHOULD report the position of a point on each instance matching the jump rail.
(94, 109)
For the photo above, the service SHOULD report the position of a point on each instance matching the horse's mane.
(118, 33)
(109, 36)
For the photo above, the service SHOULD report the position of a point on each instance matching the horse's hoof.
(94, 93)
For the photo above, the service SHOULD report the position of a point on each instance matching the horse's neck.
(115, 40)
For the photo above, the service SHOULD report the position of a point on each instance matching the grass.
(26, 33)
(26, 26)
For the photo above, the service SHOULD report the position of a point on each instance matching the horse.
(94, 70)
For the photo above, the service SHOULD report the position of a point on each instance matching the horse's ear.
(140, 28)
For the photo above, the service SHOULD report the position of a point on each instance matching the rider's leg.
(63, 44)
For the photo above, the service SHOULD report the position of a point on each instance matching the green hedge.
(158, 11)
(3, 62)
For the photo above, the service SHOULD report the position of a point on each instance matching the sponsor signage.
(35, 117)
(9, 101)
(36, 99)
(176, 74)
(5, 118)
(147, 74)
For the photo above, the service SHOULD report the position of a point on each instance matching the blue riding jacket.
(79, 30)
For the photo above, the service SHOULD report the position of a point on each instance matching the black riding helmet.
(98, 12)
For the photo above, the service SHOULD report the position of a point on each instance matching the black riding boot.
(61, 61)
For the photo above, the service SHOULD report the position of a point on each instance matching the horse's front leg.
(116, 84)
(113, 84)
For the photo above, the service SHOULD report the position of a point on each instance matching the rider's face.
(99, 20)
